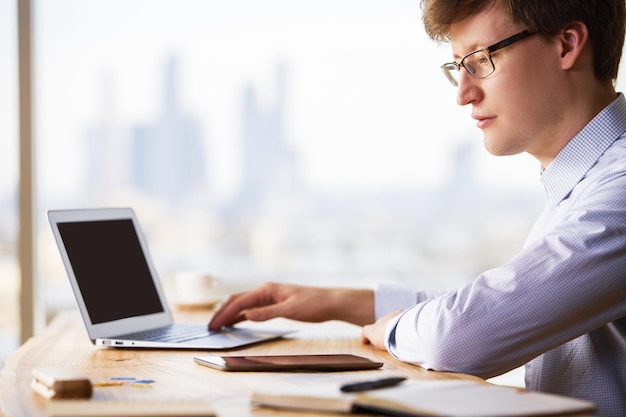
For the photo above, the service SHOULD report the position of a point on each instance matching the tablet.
(263, 363)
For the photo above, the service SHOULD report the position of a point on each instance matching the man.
(539, 77)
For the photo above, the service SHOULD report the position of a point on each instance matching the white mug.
(194, 287)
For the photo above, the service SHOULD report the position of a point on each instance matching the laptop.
(117, 290)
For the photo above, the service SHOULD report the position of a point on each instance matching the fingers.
(370, 335)
(278, 300)
(364, 335)
(237, 307)
(265, 313)
(374, 334)
(232, 310)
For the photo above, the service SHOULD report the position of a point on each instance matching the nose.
(468, 91)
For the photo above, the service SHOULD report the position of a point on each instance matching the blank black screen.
(111, 269)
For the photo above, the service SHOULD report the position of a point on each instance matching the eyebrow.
(473, 47)
(458, 57)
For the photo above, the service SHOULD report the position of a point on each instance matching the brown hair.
(605, 19)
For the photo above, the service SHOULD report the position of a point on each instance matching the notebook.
(117, 290)
(450, 398)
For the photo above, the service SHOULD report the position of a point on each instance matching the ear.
(573, 39)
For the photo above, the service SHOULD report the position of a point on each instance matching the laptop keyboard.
(176, 333)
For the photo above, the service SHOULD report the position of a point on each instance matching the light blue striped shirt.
(559, 306)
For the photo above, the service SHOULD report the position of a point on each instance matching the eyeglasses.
(479, 63)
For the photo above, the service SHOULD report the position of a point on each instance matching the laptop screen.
(110, 269)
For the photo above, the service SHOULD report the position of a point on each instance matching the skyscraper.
(268, 160)
(168, 155)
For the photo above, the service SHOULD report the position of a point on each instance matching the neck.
(580, 108)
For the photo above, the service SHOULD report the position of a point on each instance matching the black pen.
(372, 384)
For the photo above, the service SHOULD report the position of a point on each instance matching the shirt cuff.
(390, 336)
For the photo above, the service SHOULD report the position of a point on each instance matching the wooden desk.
(65, 343)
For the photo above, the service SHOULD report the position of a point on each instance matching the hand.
(374, 334)
(296, 302)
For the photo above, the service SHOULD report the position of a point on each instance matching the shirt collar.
(583, 151)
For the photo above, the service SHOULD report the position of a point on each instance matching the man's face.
(516, 107)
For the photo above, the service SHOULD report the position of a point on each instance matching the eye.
(482, 60)
(469, 66)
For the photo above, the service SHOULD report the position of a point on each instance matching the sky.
(368, 107)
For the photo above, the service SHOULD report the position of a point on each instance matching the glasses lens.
(478, 64)
(451, 70)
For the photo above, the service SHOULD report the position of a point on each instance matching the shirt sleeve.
(389, 298)
(567, 282)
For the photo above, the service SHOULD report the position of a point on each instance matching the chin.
(500, 148)
(494, 150)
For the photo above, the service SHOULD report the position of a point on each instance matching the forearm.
(351, 305)
(504, 319)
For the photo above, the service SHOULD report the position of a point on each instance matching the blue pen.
(372, 384)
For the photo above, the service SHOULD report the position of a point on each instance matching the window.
(9, 279)
(269, 140)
